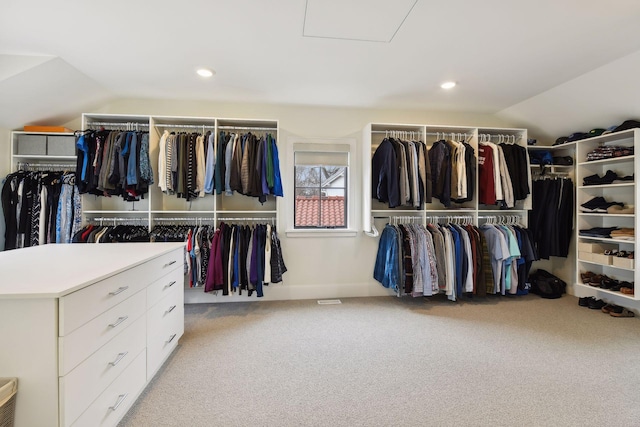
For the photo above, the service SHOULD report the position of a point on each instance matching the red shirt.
(486, 183)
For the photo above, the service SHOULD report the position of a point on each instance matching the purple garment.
(214, 269)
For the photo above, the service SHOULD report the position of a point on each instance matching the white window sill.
(344, 232)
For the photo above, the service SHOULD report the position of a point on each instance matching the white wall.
(601, 98)
(318, 267)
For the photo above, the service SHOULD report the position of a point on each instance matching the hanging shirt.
(486, 175)
(200, 166)
(162, 161)
(209, 165)
(498, 252)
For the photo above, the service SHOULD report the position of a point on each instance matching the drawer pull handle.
(119, 290)
(121, 399)
(169, 263)
(170, 284)
(173, 307)
(117, 322)
(119, 358)
(171, 339)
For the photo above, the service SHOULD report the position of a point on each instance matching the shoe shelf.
(607, 240)
(592, 289)
(625, 193)
(614, 267)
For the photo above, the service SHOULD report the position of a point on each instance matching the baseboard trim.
(282, 292)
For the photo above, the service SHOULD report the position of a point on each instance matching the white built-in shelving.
(374, 134)
(590, 250)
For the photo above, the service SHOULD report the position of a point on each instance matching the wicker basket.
(8, 391)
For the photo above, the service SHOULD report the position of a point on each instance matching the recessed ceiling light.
(448, 85)
(204, 72)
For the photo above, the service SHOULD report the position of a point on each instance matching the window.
(321, 186)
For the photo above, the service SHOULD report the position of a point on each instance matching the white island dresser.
(85, 327)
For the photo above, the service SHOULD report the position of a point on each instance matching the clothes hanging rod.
(246, 219)
(498, 216)
(246, 128)
(195, 218)
(116, 219)
(167, 125)
(408, 132)
(117, 124)
(45, 165)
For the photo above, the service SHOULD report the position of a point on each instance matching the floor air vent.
(329, 301)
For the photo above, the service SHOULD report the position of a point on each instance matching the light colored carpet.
(398, 362)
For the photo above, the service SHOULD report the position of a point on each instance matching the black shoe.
(596, 304)
(584, 301)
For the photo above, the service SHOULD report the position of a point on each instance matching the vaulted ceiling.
(59, 58)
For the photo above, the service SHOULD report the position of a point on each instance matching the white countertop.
(52, 271)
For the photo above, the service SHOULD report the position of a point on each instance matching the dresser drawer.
(164, 285)
(115, 401)
(165, 326)
(81, 306)
(166, 263)
(82, 342)
(86, 381)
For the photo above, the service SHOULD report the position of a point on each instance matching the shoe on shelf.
(617, 285)
(584, 301)
(627, 291)
(596, 304)
(609, 283)
(586, 277)
(596, 280)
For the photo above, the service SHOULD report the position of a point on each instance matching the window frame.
(321, 195)
(329, 145)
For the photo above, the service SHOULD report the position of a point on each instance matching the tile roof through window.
(307, 209)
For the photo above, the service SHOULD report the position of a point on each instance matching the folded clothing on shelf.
(596, 179)
(623, 234)
(628, 178)
(608, 178)
(620, 210)
(598, 232)
(609, 152)
(599, 205)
